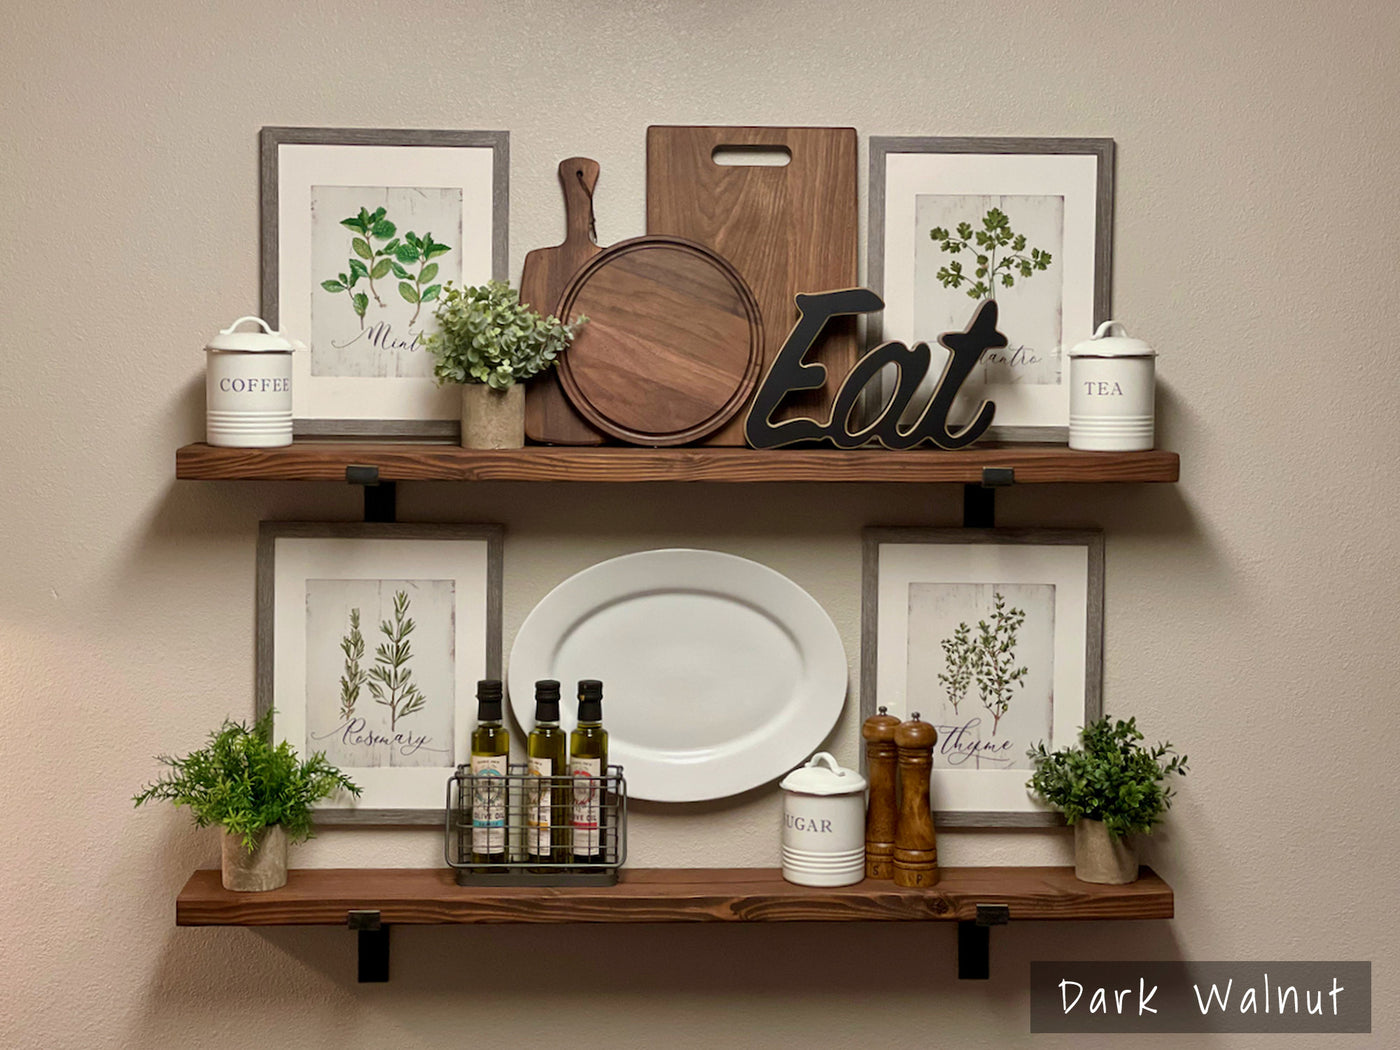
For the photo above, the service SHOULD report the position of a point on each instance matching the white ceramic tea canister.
(248, 387)
(823, 824)
(1112, 386)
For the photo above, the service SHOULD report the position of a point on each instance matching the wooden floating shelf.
(325, 897)
(398, 461)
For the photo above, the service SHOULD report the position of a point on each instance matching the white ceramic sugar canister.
(248, 387)
(1112, 387)
(823, 824)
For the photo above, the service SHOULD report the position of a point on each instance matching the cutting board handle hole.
(752, 156)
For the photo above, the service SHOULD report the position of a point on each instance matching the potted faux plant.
(260, 794)
(1109, 788)
(490, 342)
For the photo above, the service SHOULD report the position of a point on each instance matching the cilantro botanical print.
(968, 248)
(380, 671)
(981, 669)
(379, 259)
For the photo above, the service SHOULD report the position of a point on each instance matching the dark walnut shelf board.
(324, 897)
(326, 461)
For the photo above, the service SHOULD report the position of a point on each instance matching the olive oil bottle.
(547, 790)
(588, 762)
(489, 764)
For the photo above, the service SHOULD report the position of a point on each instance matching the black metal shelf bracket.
(381, 497)
(980, 500)
(975, 941)
(373, 936)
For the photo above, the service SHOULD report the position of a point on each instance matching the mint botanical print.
(417, 288)
(1000, 255)
(378, 251)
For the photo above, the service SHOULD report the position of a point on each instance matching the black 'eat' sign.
(789, 373)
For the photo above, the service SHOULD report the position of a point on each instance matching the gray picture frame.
(269, 532)
(874, 537)
(269, 139)
(1104, 149)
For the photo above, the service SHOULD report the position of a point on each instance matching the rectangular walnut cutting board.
(786, 229)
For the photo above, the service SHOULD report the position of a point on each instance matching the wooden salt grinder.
(881, 816)
(915, 845)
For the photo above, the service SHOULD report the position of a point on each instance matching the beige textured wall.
(1250, 607)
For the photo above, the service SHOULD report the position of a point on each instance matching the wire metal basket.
(520, 829)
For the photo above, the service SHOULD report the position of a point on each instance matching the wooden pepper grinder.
(915, 845)
(881, 816)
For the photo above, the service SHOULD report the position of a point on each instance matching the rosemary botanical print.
(391, 679)
(353, 646)
(394, 706)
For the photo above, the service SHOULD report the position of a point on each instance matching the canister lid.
(822, 775)
(251, 342)
(1105, 343)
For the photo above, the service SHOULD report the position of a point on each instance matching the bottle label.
(538, 795)
(588, 804)
(489, 804)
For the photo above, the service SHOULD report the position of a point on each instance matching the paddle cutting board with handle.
(549, 417)
(786, 229)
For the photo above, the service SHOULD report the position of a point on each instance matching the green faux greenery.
(1110, 777)
(488, 336)
(243, 782)
(995, 236)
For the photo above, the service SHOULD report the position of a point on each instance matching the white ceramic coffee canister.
(823, 824)
(248, 387)
(1112, 386)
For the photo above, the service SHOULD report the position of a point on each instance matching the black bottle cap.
(488, 700)
(547, 700)
(590, 700)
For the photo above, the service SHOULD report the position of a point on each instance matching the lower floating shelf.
(372, 900)
(326, 896)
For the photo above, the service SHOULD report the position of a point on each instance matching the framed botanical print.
(370, 641)
(995, 637)
(1027, 222)
(361, 230)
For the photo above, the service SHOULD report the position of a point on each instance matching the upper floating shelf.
(398, 461)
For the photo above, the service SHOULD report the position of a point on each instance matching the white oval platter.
(719, 674)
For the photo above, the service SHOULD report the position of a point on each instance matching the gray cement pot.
(1101, 857)
(265, 868)
(493, 418)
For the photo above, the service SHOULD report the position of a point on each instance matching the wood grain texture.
(326, 461)
(787, 229)
(673, 345)
(322, 897)
(549, 417)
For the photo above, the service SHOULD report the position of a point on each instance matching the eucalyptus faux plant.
(488, 336)
(245, 783)
(1110, 777)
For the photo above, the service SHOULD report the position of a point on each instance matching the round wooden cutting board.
(673, 345)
